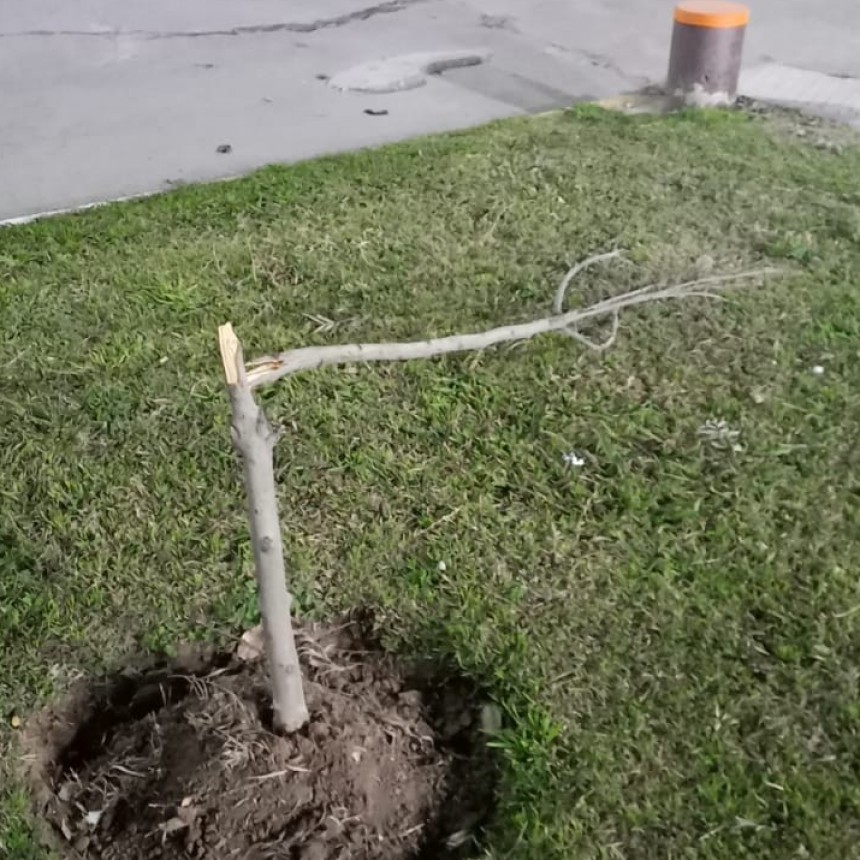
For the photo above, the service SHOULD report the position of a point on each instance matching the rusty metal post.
(707, 44)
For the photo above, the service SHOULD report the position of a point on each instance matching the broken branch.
(272, 367)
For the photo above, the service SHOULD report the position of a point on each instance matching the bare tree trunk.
(255, 440)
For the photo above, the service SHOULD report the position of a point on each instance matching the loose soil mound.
(180, 762)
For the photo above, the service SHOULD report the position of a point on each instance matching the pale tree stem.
(255, 440)
(270, 368)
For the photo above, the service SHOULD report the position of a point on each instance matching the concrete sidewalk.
(102, 99)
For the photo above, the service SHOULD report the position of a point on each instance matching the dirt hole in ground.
(178, 760)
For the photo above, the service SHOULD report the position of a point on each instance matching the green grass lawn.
(673, 630)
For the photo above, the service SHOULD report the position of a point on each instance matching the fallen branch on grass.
(270, 368)
(255, 440)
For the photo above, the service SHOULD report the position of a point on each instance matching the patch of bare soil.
(179, 762)
(797, 126)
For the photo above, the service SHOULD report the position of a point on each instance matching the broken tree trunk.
(255, 441)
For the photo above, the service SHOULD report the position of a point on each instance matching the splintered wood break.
(231, 353)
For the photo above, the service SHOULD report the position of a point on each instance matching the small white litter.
(572, 460)
(94, 817)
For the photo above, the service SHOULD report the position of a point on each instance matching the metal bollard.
(707, 44)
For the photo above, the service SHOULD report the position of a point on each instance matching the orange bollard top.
(715, 14)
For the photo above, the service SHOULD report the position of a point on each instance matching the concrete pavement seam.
(385, 8)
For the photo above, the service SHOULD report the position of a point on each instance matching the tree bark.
(255, 440)
(270, 368)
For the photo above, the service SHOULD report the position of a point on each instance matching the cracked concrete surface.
(360, 14)
(103, 99)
